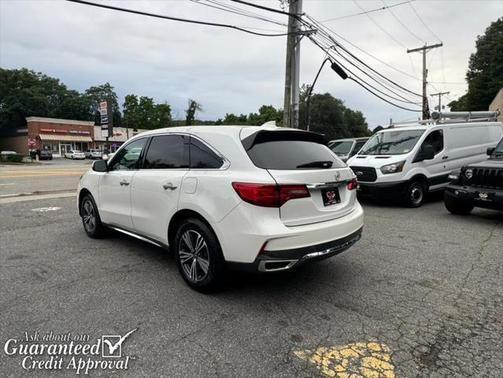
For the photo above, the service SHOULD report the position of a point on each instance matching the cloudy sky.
(230, 71)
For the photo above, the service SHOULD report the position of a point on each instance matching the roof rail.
(449, 117)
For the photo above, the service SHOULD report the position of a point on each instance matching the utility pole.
(424, 50)
(439, 94)
(292, 68)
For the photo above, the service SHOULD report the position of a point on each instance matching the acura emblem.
(359, 173)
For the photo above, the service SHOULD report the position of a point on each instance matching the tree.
(162, 115)
(104, 92)
(265, 114)
(485, 71)
(131, 113)
(192, 108)
(143, 113)
(330, 117)
(25, 93)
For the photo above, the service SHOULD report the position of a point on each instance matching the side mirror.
(100, 166)
(490, 150)
(428, 152)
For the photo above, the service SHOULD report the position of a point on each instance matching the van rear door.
(302, 158)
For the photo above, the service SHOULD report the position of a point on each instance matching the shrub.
(17, 158)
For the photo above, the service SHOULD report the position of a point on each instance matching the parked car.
(75, 154)
(346, 148)
(94, 154)
(407, 162)
(7, 153)
(262, 199)
(45, 155)
(11, 156)
(477, 185)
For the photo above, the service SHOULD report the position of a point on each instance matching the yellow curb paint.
(365, 359)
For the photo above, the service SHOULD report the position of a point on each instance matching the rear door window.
(167, 152)
(294, 151)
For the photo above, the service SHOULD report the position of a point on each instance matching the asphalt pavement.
(420, 295)
(46, 176)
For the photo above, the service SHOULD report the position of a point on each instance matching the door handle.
(445, 157)
(124, 183)
(169, 186)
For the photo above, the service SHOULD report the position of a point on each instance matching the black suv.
(478, 185)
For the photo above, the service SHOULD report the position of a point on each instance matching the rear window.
(291, 154)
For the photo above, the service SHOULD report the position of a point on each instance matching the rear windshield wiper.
(317, 164)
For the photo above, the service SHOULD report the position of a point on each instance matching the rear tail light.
(353, 184)
(267, 195)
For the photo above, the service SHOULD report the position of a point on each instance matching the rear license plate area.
(330, 196)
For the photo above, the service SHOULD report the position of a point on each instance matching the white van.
(409, 161)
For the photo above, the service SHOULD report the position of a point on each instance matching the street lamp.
(338, 70)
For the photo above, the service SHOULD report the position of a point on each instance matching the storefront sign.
(106, 124)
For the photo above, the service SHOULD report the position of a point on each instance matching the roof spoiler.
(263, 136)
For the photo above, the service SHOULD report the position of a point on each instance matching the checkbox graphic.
(111, 345)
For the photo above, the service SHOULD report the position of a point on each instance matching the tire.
(415, 193)
(91, 218)
(201, 267)
(456, 206)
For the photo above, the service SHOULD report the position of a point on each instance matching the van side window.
(436, 139)
(358, 146)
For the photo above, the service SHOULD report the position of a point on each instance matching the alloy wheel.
(88, 216)
(194, 256)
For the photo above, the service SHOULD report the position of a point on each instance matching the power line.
(228, 8)
(362, 82)
(385, 86)
(379, 26)
(365, 12)
(424, 23)
(322, 26)
(176, 18)
(266, 8)
(337, 44)
(389, 102)
(403, 25)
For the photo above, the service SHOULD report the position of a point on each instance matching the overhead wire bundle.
(331, 43)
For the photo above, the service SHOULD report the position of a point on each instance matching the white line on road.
(36, 197)
(46, 209)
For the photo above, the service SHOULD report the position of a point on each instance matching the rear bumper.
(385, 189)
(289, 259)
(256, 240)
(479, 197)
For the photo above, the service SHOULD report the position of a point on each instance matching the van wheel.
(198, 256)
(415, 193)
(91, 218)
(456, 206)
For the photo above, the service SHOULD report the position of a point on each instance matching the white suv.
(260, 199)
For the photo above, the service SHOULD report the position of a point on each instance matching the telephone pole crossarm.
(424, 49)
